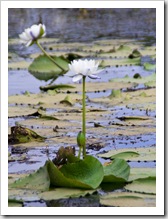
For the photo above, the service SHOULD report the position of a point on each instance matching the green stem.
(38, 44)
(84, 118)
(79, 155)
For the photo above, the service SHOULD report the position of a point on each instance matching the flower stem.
(84, 118)
(79, 155)
(38, 44)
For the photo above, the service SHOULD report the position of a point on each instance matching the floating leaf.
(138, 173)
(149, 67)
(125, 155)
(143, 80)
(87, 173)
(124, 118)
(36, 181)
(115, 94)
(44, 69)
(124, 48)
(117, 171)
(63, 193)
(98, 125)
(16, 158)
(20, 195)
(41, 115)
(143, 94)
(145, 185)
(144, 154)
(20, 134)
(120, 62)
(67, 101)
(135, 54)
(56, 87)
(128, 199)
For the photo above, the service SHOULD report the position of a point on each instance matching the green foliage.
(135, 54)
(125, 155)
(151, 79)
(117, 171)
(44, 69)
(128, 199)
(87, 174)
(133, 154)
(139, 173)
(149, 67)
(67, 101)
(124, 48)
(145, 185)
(56, 87)
(35, 181)
(115, 94)
(62, 193)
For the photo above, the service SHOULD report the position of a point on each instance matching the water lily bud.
(81, 139)
(30, 35)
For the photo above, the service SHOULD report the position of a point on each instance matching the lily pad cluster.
(87, 176)
(52, 115)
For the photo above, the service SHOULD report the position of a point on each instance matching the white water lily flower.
(80, 68)
(30, 35)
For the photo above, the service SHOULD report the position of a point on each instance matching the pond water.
(82, 25)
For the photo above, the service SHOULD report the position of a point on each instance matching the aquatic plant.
(80, 69)
(32, 35)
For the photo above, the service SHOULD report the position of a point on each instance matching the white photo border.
(159, 209)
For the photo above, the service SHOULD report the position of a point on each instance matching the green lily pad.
(124, 48)
(128, 199)
(117, 171)
(20, 195)
(63, 193)
(125, 118)
(143, 80)
(135, 54)
(67, 101)
(133, 154)
(44, 69)
(115, 94)
(138, 173)
(145, 185)
(125, 155)
(120, 62)
(17, 158)
(87, 174)
(36, 181)
(56, 87)
(149, 67)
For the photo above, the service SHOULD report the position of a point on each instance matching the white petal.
(77, 78)
(23, 36)
(93, 76)
(27, 32)
(35, 30)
